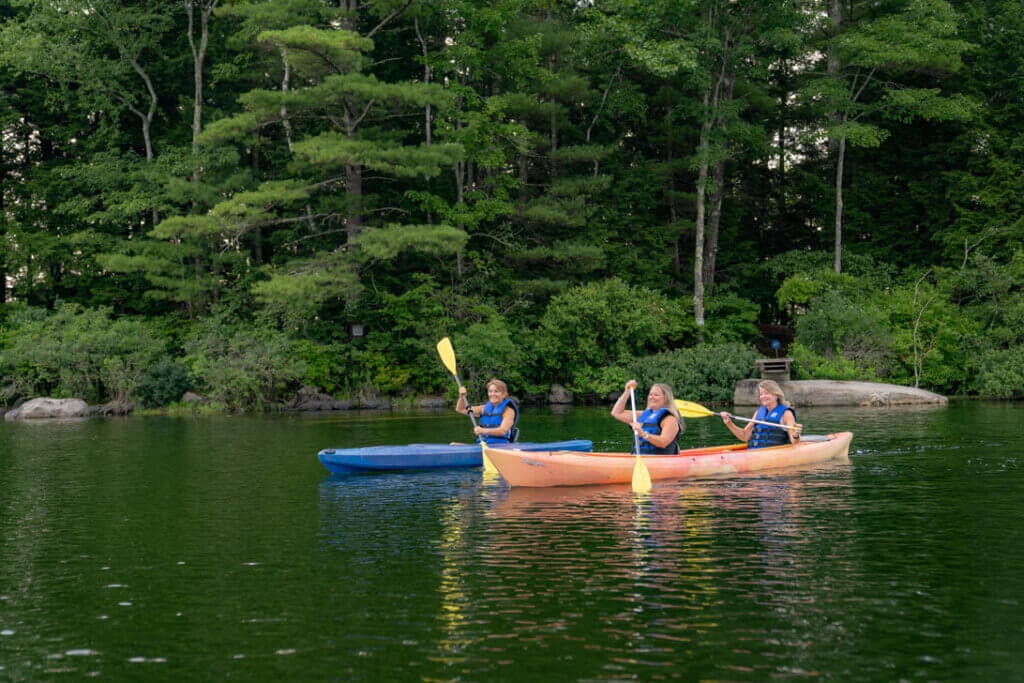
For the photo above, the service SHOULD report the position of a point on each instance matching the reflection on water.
(221, 550)
(721, 561)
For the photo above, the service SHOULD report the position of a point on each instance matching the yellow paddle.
(690, 409)
(641, 477)
(447, 353)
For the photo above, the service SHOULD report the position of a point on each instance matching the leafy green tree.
(162, 383)
(76, 352)
(881, 65)
(593, 327)
(333, 130)
(241, 367)
(489, 350)
(702, 373)
(987, 190)
(932, 336)
(837, 328)
(1000, 374)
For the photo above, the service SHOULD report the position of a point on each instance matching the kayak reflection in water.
(773, 409)
(659, 426)
(497, 419)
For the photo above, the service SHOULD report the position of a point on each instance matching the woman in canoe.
(773, 409)
(659, 426)
(496, 419)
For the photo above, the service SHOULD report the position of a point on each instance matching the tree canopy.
(575, 186)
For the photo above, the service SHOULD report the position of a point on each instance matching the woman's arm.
(789, 420)
(619, 410)
(741, 433)
(462, 405)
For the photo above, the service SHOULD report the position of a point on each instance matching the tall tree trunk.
(427, 115)
(714, 224)
(198, 49)
(354, 191)
(727, 82)
(353, 183)
(3, 230)
(839, 146)
(698, 245)
(840, 160)
(146, 119)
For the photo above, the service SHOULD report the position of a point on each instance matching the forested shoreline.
(244, 199)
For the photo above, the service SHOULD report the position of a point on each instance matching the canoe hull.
(425, 455)
(564, 468)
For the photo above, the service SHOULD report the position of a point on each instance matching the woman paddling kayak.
(659, 426)
(773, 409)
(497, 419)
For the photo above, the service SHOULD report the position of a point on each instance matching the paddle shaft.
(641, 479)
(760, 422)
(691, 409)
(447, 353)
(636, 434)
(469, 408)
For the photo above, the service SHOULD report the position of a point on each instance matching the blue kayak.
(416, 456)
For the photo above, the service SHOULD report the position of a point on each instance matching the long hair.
(670, 403)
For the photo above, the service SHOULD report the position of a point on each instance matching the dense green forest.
(243, 198)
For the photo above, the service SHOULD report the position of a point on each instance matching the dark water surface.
(215, 549)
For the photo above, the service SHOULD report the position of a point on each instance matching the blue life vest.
(650, 422)
(763, 435)
(491, 418)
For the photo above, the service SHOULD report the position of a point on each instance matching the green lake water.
(217, 549)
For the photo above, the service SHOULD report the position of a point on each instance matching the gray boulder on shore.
(48, 409)
(809, 393)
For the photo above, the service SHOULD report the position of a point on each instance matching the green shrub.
(730, 318)
(76, 352)
(245, 368)
(809, 365)
(1000, 374)
(836, 328)
(703, 373)
(162, 383)
(599, 325)
(489, 350)
(324, 364)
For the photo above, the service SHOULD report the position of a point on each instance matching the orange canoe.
(567, 468)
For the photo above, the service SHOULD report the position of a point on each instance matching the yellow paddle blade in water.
(641, 477)
(690, 409)
(488, 465)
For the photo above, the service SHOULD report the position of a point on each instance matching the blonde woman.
(773, 409)
(659, 426)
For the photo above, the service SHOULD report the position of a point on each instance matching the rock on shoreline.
(809, 393)
(48, 409)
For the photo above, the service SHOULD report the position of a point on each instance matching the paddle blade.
(641, 477)
(447, 353)
(690, 409)
(488, 465)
